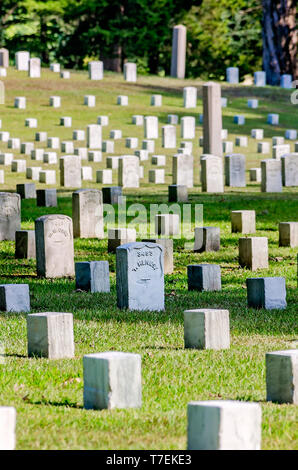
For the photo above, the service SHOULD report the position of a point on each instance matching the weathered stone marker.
(87, 213)
(140, 276)
(104, 176)
(50, 334)
(95, 70)
(223, 425)
(130, 72)
(212, 174)
(266, 292)
(70, 171)
(54, 246)
(112, 195)
(167, 224)
(128, 173)
(204, 277)
(280, 150)
(182, 170)
(10, 215)
(188, 127)
(235, 170)
(239, 119)
(26, 190)
(94, 136)
(4, 57)
(122, 100)
(288, 234)
(167, 244)
(8, 417)
(14, 298)
(93, 276)
(260, 78)
(289, 168)
(169, 136)
(282, 376)
(178, 51)
(255, 174)
(178, 193)
(190, 97)
(253, 252)
(151, 127)
(232, 75)
(206, 329)
(25, 244)
(47, 176)
(243, 221)
(120, 236)
(271, 176)
(112, 380)
(34, 67)
(22, 60)
(156, 176)
(286, 80)
(207, 239)
(212, 125)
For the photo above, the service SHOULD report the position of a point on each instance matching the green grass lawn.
(48, 395)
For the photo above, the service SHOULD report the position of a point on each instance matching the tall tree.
(222, 34)
(8, 10)
(279, 39)
(124, 29)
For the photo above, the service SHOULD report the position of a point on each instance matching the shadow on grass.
(43, 402)
(269, 93)
(22, 356)
(162, 348)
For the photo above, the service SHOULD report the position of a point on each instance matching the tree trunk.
(114, 63)
(153, 63)
(279, 39)
(43, 40)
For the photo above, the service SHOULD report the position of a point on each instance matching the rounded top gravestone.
(140, 276)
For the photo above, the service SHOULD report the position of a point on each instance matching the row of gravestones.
(141, 264)
(212, 140)
(232, 73)
(24, 62)
(275, 173)
(212, 124)
(96, 68)
(53, 242)
(113, 380)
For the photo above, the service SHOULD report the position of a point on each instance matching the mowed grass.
(48, 395)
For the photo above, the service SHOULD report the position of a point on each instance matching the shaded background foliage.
(220, 33)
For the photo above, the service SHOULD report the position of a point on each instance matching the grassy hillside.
(48, 395)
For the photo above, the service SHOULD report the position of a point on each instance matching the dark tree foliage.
(123, 29)
(219, 33)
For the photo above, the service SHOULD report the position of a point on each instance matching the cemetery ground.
(48, 394)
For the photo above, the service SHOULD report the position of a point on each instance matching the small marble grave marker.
(25, 244)
(50, 334)
(253, 252)
(14, 298)
(93, 276)
(10, 215)
(224, 425)
(206, 329)
(282, 376)
(87, 213)
(112, 380)
(266, 292)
